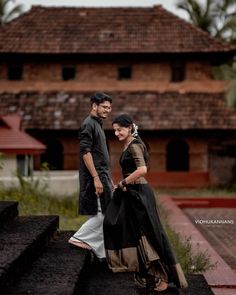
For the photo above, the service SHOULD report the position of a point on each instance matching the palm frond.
(13, 12)
(215, 17)
(7, 14)
(199, 15)
(228, 30)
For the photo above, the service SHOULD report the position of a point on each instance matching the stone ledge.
(219, 278)
(56, 271)
(22, 241)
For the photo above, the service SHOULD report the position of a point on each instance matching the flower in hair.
(135, 132)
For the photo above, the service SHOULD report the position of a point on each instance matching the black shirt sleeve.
(86, 139)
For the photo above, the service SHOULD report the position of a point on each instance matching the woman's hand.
(121, 186)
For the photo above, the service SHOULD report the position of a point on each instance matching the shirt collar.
(99, 120)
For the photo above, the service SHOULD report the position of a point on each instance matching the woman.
(135, 240)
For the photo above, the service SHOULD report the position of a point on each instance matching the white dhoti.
(91, 233)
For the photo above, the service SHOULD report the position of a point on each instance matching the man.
(94, 176)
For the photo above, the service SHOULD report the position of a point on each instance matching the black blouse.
(132, 158)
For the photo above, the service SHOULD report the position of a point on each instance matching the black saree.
(134, 237)
(135, 240)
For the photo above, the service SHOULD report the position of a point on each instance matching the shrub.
(190, 262)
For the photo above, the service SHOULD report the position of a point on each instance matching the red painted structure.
(15, 141)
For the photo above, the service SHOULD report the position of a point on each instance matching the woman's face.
(121, 132)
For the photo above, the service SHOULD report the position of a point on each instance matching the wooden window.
(15, 72)
(24, 165)
(68, 73)
(177, 71)
(53, 155)
(124, 73)
(177, 155)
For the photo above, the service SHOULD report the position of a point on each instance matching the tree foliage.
(8, 10)
(217, 17)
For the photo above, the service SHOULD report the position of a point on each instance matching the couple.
(131, 236)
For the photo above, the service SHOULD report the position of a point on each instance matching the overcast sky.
(168, 4)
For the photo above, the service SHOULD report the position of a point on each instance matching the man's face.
(103, 109)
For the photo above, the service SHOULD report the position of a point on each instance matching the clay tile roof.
(105, 30)
(13, 140)
(150, 110)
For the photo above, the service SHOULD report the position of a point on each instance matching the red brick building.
(156, 66)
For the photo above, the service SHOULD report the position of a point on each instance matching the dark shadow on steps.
(55, 272)
(22, 240)
(8, 211)
(97, 279)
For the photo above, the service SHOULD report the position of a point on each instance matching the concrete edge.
(221, 277)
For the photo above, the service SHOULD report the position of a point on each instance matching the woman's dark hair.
(100, 97)
(125, 120)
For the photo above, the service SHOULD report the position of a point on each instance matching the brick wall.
(61, 113)
(42, 71)
(198, 153)
(107, 71)
(198, 70)
(221, 169)
(217, 167)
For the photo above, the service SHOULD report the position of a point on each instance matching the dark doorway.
(53, 155)
(177, 156)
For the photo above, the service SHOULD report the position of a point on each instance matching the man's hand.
(98, 186)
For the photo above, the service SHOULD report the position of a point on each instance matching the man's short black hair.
(100, 97)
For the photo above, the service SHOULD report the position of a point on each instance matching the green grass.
(42, 203)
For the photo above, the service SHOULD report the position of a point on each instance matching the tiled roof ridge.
(153, 8)
(11, 137)
(159, 6)
(151, 29)
(94, 7)
(13, 121)
(4, 124)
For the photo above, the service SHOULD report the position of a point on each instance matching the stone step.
(99, 280)
(21, 242)
(56, 271)
(8, 211)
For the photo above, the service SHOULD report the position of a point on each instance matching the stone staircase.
(35, 257)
